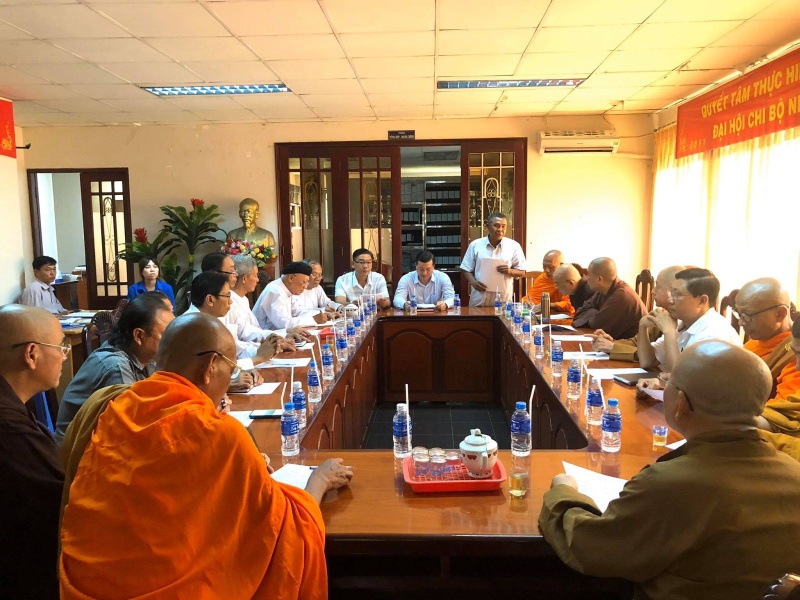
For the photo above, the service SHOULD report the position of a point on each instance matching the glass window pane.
(118, 187)
(324, 163)
(294, 163)
(474, 159)
(326, 225)
(309, 163)
(369, 162)
(101, 290)
(491, 159)
(106, 187)
(311, 214)
(352, 163)
(508, 159)
(95, 185)
(386, 162)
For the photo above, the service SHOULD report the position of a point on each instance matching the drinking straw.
(291, 384)
(283, 393)
(314, 357)
(530, 400)
(408, 424)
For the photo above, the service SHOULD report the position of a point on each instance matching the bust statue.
(251, 232)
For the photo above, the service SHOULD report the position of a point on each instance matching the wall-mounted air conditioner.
(578, 142)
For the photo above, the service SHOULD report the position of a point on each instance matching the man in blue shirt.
(429, 285)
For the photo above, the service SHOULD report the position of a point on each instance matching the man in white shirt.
(313, 297)
(277, 306)
(691, 317)
(361, 280)
(495, 245)
(426, 283)
(40, 292)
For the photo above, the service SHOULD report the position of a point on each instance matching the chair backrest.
(785, 588)
(98, 331)
(523, 283)
(727, 302)
(123, 302)
(644, 287)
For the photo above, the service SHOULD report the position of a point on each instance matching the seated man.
(627, 349)
(615, 308)
(571, 283)
(197, 492)
(277, 307)
(715, 518)
(559, 303)
(125, 358)
(691, 318)
(314, 297)
(429, 285)
(495, 245)
(31, 355)
(362, 280)
(40, 292)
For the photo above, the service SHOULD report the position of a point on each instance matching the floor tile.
(469, 414)
(433, 440)
(425, 425)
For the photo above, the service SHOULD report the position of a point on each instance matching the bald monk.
(559, 303)
(31, 478)
(716, 518)
(173, 500)
(626, 349)
(570, 282)
(615, 307)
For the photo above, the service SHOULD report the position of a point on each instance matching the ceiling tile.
(73, 73)
(298, 113)
(105, 91)
(582, 107)
(536, 95)
(481, 65)
(22, 52)
(610, 94)
(728, 58)
(228, 116)
(36, 92)
(687, 77)
(333, 68)
(324, 86)
(26, 107)
(195, 103)
(647, 60)
(111, 50)
(766, 33)
(350, 16)
(642, 105)
(407, 43)
(13, 75)
(382, 85)
(79, 105)
(295, 46)
(67, 21)
(563, 64)
(404, 112)
(252, 71)
(453, 97)
(60, 118)
(335, 100)
(497, 41)
(277, 17)
(402, 99)
(143, 105)
(477, 14)
(679, 11)
(271, 101)
(150, 73)
(677, 35)
(164, 20)
(779, 10)
(665, 92)
(186, 49)
(633, 79)
(108, 118)
(521, 109)
(7, 32)
(411, 66)
(580, 39)
(477, 110)
(167, 117)
(590, 12)
(344, 111)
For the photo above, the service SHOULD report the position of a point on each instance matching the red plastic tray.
(457, 480)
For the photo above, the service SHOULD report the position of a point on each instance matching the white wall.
(588, 206)
(47, 215)
(69, 220)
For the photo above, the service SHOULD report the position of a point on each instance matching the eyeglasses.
(685, 395)
(229, 273)
(677, 295)
(63, 346)
(788, 347)
(228, 295)
(236, 368)
(316, 276)
(747, 317)
(363, 262)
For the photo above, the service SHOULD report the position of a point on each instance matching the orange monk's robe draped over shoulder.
(783, 411)
(173, 500)
(773, 353)
(558, 302)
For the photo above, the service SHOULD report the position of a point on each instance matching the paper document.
(426, 306)
(243, 416)
(559, 316)
(279, 363)
(264, 388)
(655, 394)
(585, 355)
(307, 319)
(600, 488)
(676, 445)
(83, 314)
(609, 373)
(572, 338)
(562, 328)
(493, 279)
(296, 475)
(246, 364)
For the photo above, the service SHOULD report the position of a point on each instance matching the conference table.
(385, 540)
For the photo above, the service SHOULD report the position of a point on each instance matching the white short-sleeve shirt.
(507, 250)
(439, 288)
(347, 285)
(711, 326)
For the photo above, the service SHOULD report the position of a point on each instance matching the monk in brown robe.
(559, 303)
(172, 499)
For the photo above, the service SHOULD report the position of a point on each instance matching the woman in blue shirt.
(150, 282)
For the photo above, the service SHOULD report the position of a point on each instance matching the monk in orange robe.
(172, 499)
(782, 413)
(559, 303)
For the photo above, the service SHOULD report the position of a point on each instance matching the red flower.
(197, 202)
(141, 235)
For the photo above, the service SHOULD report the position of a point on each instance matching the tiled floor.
(436, 424)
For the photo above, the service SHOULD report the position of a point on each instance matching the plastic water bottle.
(456, 304)
(520, 431)
(290, 442)
(342, 352)
(401, 431)
(612, 427)
(556, 360)
(517, 324)
(538, 343)
(574, 380)
(526, 330)
(594, 403)
(314, 387)
(359, 329)
(327, 363)
(351, 335)
(509, 311)
(412, 305)
(498, 305)
(299, 401)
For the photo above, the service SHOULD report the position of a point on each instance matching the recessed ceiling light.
(218, 90)
(507, 83)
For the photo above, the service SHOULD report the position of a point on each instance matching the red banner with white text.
(763, 101)
(8, 143)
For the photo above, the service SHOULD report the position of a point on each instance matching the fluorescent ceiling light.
(507, 83)
(218, 90)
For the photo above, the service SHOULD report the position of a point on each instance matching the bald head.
(551, 261)
(763, 307)
(20, 323)
(566, 277)
(663, 284)
(602, 273)
(724, 383)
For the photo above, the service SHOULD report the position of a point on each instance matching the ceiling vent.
(578, 142)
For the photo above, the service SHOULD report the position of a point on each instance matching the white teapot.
(479, 454)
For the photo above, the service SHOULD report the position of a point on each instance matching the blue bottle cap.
(613, 402)
(326, 346)
(288, 406)
(521, 406)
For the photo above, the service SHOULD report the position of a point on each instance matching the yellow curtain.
(734, 210)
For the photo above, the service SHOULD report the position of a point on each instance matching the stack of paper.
(296, 475)
(602, 489)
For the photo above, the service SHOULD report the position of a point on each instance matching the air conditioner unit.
(578, 142)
